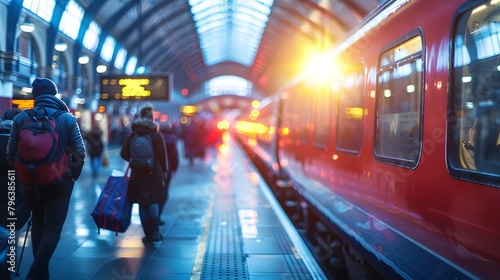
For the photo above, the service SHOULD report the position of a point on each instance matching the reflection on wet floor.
(217, 224)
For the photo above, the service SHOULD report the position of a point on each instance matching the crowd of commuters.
(47, 204)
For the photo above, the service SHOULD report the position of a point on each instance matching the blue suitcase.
(113, 211)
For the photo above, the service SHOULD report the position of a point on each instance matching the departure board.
(144, 87)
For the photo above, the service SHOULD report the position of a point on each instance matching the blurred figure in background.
(95, 148)
(194, 140)
(23, 210)
(172, 157)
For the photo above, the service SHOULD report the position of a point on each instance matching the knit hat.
(43, 86)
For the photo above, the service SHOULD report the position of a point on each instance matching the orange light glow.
(189, 109)
(223, 149)
(223, 125)
(354, 113)
(24, 104)
(225, 137)
(335, 157)
(252, 142)
(255, 104)
(251, 129)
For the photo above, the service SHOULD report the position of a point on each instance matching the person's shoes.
(156, 237)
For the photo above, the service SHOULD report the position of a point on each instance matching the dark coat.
(23, 211)
(172, 153)
(146, 188)
(95, 147)
(67, 128)
(194, 140)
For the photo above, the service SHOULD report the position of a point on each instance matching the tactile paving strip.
(224, 258)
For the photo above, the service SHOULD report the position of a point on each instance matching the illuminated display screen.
(118, 87)
(23, 104)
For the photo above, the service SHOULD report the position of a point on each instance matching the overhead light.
(83, 59)
(61, 46)
(27, 26)
(101, 68)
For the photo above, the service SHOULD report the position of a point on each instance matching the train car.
(397, 158)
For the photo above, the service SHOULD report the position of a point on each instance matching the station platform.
(221, 222)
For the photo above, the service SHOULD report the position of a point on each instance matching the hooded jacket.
(67, 128)
(146, 188)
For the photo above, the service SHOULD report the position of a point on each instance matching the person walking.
(145, 185)
(95, 149)
(172, 157)
(194, 140)
(49, 202)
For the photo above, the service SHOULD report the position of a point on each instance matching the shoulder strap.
(31, 113)
(34, 112)
(57, 113)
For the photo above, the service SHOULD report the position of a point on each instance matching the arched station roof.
(196, 40)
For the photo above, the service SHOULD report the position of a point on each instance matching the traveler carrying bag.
(113, 211)
(41, 157)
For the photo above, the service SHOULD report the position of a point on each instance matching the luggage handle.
(127, 171)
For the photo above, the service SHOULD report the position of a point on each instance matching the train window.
(298, 118)
(321, 125)
(399, 103)
(350, 89)
(474, 122)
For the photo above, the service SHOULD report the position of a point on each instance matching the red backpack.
(41, 157)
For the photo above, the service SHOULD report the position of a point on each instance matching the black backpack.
(141, 153)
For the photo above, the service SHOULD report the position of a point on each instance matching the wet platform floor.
(221, 222)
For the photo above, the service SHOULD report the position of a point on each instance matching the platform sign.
(138, 87)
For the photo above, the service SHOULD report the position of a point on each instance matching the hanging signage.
(143, 87)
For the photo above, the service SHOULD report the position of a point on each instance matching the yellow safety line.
(200, 254)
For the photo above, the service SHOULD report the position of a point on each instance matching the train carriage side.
(256, 132)
(388, 155)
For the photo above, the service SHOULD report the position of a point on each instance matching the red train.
(396, 160)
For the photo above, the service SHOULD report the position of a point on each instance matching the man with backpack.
(47, 152)
(144, 149)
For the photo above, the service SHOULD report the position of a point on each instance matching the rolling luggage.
(113, 211)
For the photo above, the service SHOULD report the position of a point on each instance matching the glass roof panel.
(230, 30)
